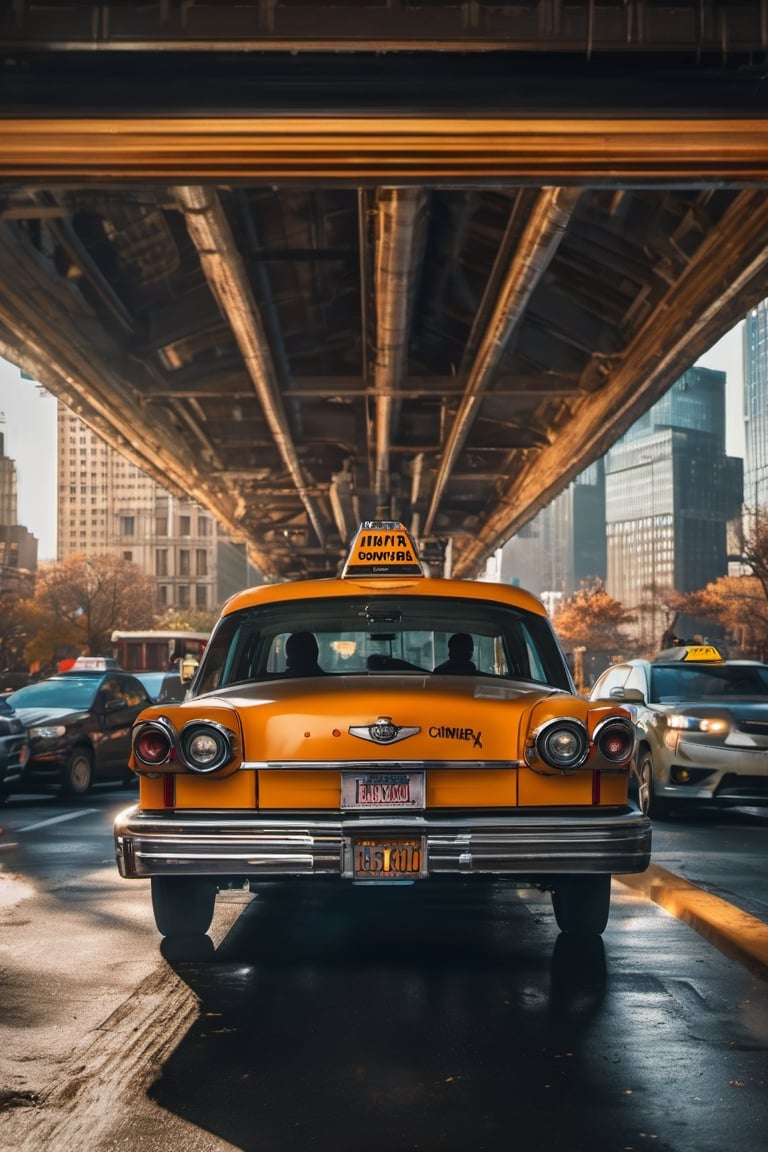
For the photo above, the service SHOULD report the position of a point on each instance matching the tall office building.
(107, 505)
(18, 547)
(564, 546)
(670, 491)
(756, 407)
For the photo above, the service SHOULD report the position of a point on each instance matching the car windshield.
(74, 692)
(363, 635)
(669, 685)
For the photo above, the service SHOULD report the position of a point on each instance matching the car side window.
(637, 681)
(613, 678)
(125, 689)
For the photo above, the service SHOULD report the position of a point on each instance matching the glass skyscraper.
(756, 407)
(670, 492)
(653, 514)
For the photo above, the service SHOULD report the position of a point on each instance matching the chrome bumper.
(522, 844)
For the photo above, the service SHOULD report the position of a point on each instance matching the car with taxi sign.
(702, 727)
(382, 727)
(79, 726)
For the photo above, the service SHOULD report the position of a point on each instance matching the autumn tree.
(12, 632)
(738, 605)
(592, 619)
(83, 599)
(186, 620)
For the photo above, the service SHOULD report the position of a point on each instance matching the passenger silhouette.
(460, 649)
(301, 655)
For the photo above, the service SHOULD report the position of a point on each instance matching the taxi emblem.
(383, 731)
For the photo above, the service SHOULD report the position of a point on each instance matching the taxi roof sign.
(691, 653)
(382, 548)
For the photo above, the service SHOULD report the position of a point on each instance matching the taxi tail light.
(153, 745)
(615, 740)
(560, 746)
(205, 746)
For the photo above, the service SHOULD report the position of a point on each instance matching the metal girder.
(319, 301)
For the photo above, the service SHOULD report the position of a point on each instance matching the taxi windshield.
(360, 635)
(670, 685)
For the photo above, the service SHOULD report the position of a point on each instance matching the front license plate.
(364, 791)
(383, 859)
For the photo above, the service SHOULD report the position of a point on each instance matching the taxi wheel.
(650, 804)
(183, 905)
(581, 904)
(78, 773)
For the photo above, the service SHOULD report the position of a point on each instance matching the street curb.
(735, 933)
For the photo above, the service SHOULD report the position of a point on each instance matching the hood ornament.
(383, 731)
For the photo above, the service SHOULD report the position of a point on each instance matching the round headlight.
(562, 744)
(205, 746)
(152, 745)
(615, 740)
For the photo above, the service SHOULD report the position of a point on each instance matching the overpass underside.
(315, 263)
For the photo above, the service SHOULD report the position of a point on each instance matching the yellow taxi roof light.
(692, 653)
(382, 548)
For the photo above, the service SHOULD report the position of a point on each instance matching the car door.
(119, 702)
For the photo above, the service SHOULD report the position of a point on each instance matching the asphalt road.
(441, 1017)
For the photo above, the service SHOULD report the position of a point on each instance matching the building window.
(201, 596)
(161, 525)
(127, 525)
(185, 525)
(184, 562)
(202, 562)
(203, 526)
(161, 562)
(183, 595)
(162, 595)
(128, 556)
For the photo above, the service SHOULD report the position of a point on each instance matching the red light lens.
(615, 742)
(152, 746)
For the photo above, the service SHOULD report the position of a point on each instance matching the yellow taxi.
(382, 727)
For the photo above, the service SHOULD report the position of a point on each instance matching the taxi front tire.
(183, 905)
(582, 904)
(650, 804)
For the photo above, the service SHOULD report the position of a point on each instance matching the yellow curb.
(737, 934)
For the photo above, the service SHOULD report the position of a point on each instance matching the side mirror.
(627, 696)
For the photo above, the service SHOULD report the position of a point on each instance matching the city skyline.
(30, 434)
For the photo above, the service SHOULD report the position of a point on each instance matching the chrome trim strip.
(373, 765)
(524, 844)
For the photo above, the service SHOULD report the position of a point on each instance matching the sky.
(30, 435)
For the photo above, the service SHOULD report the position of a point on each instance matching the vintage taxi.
(382, 727)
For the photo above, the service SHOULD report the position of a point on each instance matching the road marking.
(735, 933)
(58, 820)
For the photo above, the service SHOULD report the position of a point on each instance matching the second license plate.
(366, 791)
(384, 859)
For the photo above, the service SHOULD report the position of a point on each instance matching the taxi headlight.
(560, 744)
(712, 725)
(206, 746)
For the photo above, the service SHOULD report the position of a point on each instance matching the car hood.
(36, 716)
(352, 718)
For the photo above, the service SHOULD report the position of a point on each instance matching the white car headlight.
(713, 725)
(47, 732)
